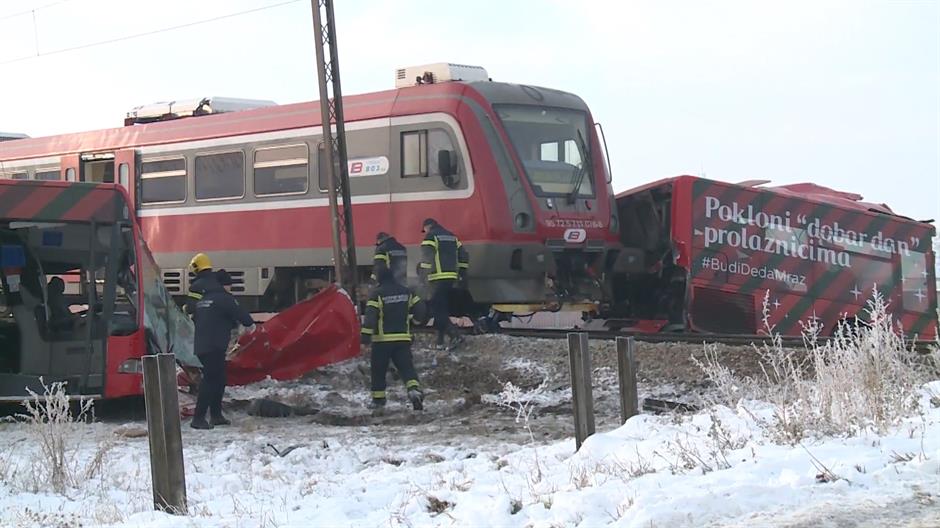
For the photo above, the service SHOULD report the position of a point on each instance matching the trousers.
(212, 386)
(440, 308)
(398, 353)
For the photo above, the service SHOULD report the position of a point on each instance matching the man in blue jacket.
(216, 313)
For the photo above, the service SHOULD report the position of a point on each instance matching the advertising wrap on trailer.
(709, 253)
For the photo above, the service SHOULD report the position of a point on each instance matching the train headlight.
(522, 220)
(614, 223)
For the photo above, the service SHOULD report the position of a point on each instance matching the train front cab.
(549, 201)
(74, 275)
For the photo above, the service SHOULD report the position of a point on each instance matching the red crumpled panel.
(313, 333)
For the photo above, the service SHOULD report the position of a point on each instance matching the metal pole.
(328, 153)
(340, 119)
(334, 151)
(163, 431)
(579, 357)
(626, 370)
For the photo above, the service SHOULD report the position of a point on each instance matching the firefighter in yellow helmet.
(216, 313)
(201, 267)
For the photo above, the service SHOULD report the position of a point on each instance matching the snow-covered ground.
(474, 465)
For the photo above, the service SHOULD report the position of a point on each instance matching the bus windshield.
(552, 145)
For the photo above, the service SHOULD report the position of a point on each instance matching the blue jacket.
(216, 314)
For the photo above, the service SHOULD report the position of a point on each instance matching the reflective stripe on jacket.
(389, 312)
(442, 255)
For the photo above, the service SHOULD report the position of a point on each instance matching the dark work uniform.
(389, 312)
(216, 314)
(391, 255)
(443, 261)
(197, 288)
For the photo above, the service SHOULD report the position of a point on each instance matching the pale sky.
(842, 93)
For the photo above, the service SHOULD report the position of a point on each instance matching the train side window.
(438, 141)
(19, 176)
(220, 176)
(281, 170)
(414, 154)
(163, 181)
(49, 175)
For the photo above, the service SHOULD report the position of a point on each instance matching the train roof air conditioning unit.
(9, 136)
(437, 73)
(168, 110)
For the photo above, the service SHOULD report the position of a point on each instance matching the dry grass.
(51, 425)
(867, 376)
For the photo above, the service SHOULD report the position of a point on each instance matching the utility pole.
(334, 147)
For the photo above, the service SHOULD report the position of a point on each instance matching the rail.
(921, 346)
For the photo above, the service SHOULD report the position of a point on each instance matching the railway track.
(670, 337)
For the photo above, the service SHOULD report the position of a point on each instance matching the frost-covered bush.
(866, 376)
(52, 428)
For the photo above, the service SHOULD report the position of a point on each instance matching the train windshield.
(552, 145)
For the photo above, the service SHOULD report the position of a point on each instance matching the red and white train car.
(518, 172)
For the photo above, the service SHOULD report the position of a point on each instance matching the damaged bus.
(81, 298)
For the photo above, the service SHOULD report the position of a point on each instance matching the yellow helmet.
(200, 262)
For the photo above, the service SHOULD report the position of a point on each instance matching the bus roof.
(51, 201)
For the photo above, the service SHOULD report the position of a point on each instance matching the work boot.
(455, 341)
(417, 398)
(219, 420)
(200, 423)
(378, 406)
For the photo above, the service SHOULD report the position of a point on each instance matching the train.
(519, 172)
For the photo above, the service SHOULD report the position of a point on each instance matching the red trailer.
(707, 253)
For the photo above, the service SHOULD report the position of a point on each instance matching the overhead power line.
(147, 33)
(33, 10)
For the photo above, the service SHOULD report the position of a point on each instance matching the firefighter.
(389, 312)
(444, 261)
(215, 313)
(201, 267)
(390, 254)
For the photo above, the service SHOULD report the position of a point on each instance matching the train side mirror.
(447, 167)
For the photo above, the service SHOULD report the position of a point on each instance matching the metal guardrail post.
(579, 357)
(163, 430)
(626, 370)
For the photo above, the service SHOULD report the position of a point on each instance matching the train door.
(125, 168)
(71, 167)
(97, 167)
(110, 167)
